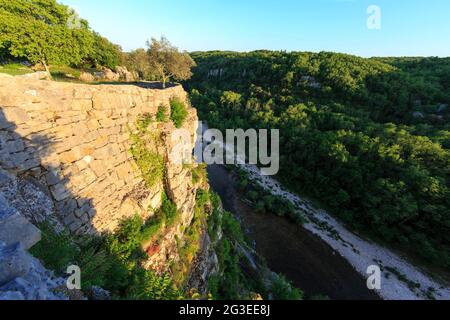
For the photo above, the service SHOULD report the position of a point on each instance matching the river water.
(291, 250)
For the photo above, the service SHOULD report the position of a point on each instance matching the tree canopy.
(46, 32)
(167, 62)
(350, 133)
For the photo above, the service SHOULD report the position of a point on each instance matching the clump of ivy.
(178, 112)
(150, 163)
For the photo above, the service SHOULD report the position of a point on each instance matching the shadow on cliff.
(33, 184)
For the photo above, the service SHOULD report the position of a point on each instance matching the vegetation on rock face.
(145, 153)
(162, 114)
(369, 138)
(112, 261)
(190, 244)
(46, 32)
(178, 112)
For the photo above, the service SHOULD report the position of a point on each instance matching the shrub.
(161, 115)
(282, 289)
(178, 112)
(127, 239)
(169, 209)
(112, 261)
(56, 251)
(144, 121)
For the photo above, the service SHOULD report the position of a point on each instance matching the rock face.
(86, 77)
(65, 158)
(22, 276)
(72, 143)
(108, 75)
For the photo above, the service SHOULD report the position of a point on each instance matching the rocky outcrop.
(22, 276)
(65, 158)
(120, 74)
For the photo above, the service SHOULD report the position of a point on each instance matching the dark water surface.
(289, 249)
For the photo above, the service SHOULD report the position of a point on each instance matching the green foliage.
(169, 209)
(190, 244)
(348, 134)
(56, 251)
(178, 112)
(104, 53)
(47, 32)
(150, 163)
(112, 261)
(14, 69)
(282, 289)
(166, 62)
(162, 114)
(264, 202)
(143, 122)
(199, 174)
(127, 239)
(153, 287)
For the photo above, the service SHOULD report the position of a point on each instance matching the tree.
(138, 60)
(167, 62)
(105, 53)
(46, 32)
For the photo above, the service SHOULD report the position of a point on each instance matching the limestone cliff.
(65, 157)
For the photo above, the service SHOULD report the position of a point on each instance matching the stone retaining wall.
(72, 141)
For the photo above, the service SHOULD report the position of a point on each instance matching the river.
(291, 250)
(322, 257)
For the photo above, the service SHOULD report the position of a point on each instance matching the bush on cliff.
(110, 261)
(178, 113)
(161, 115)
(56, 251)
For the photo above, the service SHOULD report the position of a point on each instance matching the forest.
(368, 138)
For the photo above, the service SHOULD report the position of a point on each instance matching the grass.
(65, 73)
(15, 69)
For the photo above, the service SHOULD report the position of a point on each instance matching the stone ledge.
(15, 228)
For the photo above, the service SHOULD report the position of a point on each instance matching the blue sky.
(408, 27)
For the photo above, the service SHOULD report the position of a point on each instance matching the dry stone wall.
(72, 141)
